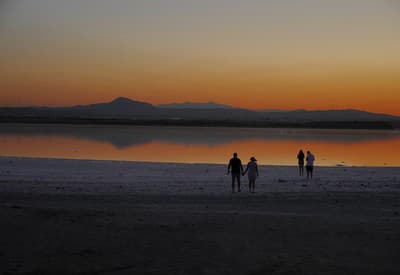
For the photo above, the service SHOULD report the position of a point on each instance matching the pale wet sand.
(111, 217)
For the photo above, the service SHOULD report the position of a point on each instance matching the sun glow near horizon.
(255, 55)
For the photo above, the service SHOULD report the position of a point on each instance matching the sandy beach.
(111, 217)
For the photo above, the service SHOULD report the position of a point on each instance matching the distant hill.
(120, 103)
(330, 115)
(194, 105)
(119, 107)
(124, 110)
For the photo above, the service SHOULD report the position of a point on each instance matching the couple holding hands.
(236, 169)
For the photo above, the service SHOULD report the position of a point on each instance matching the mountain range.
(210, 113)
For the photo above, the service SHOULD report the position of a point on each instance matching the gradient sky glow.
(279, 54)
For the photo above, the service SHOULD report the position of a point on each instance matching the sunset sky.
(278, 54)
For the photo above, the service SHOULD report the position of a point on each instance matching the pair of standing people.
(309, 165)
(236, 169)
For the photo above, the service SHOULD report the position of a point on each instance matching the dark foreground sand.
(93, 217)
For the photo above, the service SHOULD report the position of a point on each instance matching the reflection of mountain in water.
(126, 136)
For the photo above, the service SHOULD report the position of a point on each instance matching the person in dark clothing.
(300, 157)
(237, 169)
(310, 164)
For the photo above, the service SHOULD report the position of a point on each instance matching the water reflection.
(186, 144)
(126, 136)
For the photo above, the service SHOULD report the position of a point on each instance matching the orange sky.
(256, 55)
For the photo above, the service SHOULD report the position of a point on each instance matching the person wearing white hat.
(252, 169)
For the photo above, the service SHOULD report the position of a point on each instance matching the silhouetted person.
(252, 167)
(300, 157)
(236, 164)
(310, 164)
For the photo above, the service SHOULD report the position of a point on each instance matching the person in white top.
(310, 164)
(252, 168)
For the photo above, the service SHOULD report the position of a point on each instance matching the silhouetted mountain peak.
(121, 99)
(119, 107)
(125, 101)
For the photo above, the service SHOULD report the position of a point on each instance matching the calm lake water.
(200, 145)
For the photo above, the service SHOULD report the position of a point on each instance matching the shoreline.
(76, 176)
(191, 163)
(330, 124)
